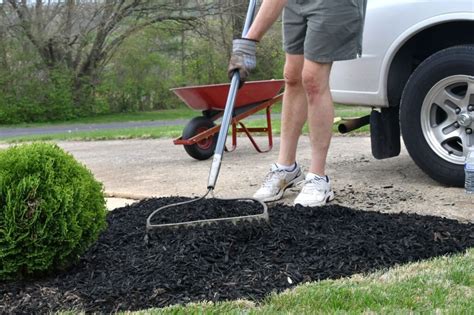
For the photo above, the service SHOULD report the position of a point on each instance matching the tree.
(60, 59)
(82, 36)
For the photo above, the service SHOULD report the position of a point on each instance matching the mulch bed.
(225, 261)
(208, 209)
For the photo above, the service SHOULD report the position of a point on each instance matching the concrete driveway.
(135, 169)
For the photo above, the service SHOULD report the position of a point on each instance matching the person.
(315, 34)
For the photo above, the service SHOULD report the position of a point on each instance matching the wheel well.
(421, 46)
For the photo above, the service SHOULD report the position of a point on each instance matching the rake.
(217, 161)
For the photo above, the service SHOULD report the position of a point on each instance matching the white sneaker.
(315, 192)
(276, 182)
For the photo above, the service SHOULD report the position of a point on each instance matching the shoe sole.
(329, 198)
(281, 192)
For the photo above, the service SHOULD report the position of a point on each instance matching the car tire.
(437, 94)
(203, 149)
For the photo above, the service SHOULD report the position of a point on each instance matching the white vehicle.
(417, 69)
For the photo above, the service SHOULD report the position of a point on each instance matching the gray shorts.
(324, 30)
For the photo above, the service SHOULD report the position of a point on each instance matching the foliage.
(29, 92)
(51, 210)
(51, 71)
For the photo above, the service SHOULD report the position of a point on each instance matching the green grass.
(141, 133)
(166, 114)
(109, 134)
(442, 285)
(159, 132)
(347, 111)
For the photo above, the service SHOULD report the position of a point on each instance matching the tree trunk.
(238, 17)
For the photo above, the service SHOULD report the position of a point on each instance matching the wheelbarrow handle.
(229, 107)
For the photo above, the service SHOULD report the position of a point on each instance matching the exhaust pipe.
(353, 124)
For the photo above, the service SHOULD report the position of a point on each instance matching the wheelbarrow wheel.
(203, 149)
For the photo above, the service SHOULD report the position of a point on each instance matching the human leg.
(317, 189)
(293, 117)
(294, 111)
(320, 112)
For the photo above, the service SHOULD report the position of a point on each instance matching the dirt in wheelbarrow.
(225, 261)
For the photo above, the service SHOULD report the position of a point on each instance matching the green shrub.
(51, 210)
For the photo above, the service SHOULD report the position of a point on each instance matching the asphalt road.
(6, 132)
(14, 132)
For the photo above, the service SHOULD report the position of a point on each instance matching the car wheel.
(203, 149)
(437, 113)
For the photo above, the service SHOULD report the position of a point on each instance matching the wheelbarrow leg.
(267, 129)
(234, 137)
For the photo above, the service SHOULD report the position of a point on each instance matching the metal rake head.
(262, 216)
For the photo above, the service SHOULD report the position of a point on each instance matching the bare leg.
(320, 112)
(295, 109)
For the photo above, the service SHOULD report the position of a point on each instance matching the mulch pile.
(222, 262)
(207, 209)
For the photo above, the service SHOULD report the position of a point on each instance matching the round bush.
(51, 210)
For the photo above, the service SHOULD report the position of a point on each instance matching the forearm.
(268, 13)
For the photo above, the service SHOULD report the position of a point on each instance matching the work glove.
(243, 58)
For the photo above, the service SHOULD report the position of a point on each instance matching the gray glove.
(243, 58)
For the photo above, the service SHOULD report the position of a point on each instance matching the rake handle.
(229, 108)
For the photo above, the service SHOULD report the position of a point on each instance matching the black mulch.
(215, 209)
(222, 262)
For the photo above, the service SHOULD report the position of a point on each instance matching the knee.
(292, 76)
(314, 87)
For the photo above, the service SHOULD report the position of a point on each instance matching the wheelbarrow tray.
(214, 96)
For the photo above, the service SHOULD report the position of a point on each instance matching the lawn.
(443, 285)
(165, 114)
(155, 132)
(106, 134)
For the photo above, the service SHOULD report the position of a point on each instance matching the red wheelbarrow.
(200, 134)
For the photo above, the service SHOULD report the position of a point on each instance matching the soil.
(225, 261)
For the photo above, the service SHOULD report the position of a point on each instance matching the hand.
(243, 58)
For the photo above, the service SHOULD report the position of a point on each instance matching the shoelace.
(272, 177)
(316, 183)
